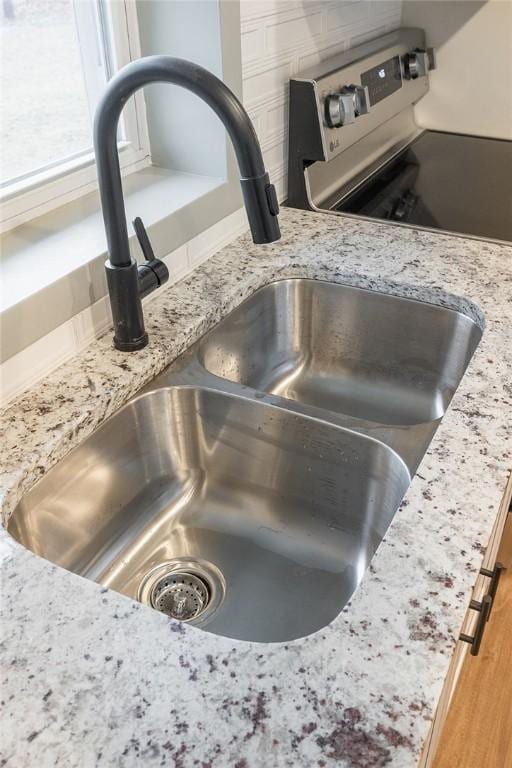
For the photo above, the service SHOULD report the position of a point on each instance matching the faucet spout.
(126, 281)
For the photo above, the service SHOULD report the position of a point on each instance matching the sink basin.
(360, 353)
(249, 520)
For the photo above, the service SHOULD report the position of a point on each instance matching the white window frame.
(54, 186)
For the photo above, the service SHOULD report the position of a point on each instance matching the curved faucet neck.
(129, 80)
(128, 282)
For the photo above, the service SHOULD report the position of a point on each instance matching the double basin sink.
(247, 488)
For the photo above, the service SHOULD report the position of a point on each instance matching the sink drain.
(188, 590)
(180, 595)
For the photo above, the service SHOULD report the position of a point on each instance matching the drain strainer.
(181, 595)
(188, 590)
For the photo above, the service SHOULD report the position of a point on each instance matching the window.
(57, 56)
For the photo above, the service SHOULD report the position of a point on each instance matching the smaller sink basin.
(254, 521)
(355, 352)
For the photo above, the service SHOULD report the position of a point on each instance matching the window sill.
(52, 268)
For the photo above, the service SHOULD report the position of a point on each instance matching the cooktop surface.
(445, 181)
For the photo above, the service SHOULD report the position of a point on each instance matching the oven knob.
(360, 99)
(418, 63)
(339, 109)
(342, 108)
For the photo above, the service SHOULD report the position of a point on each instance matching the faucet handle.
(153, 272)
(142, 237)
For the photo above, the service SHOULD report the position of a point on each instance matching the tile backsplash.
(282, 37)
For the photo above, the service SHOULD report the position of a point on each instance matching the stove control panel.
(349, 104)
(341, 99)
(418, 63)
(343, 107)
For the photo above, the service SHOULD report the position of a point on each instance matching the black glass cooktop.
(445, 181)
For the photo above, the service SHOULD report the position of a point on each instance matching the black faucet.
(128, 282)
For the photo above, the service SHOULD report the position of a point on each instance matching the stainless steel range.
(355, 148)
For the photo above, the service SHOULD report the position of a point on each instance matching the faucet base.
(131, 346)
(125, 301)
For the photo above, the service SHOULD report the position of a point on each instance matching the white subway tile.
(341, 15)
(269, 82)
(252, 38)
(293, 32)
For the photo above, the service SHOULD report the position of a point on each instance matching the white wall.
(282, 37)
(471, 90)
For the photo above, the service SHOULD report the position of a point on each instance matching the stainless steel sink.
(247, 488)
(377, 364)
(357, 352)
(278, 514)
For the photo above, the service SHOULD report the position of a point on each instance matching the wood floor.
(478, 729)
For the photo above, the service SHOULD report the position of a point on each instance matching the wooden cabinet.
(438, 739)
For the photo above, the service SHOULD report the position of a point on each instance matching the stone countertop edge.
(91, 678)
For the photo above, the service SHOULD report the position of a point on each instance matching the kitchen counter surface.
(90, 678)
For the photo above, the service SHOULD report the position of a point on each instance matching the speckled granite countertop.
(91, 678)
